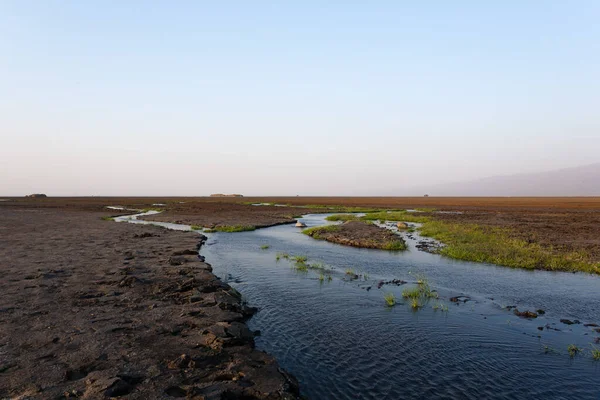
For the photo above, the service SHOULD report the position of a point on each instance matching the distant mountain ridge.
(576, 181)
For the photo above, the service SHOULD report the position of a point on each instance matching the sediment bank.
(358, 234)
(94, 309)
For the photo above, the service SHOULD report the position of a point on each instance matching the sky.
(292, 98)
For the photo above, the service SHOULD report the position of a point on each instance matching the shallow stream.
(342, 342)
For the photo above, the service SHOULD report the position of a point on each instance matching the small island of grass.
(358, 234)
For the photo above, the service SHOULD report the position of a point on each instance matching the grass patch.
(390, 299)
(394, 245)
(299, 259)
(573, 350)
(426, 209)
(234, 228)
(341, 217)
(415, 304)
(494, 245)
(314, 231)
(595, 353)
(210, 230)
(413, 293)
(301, 267)
(196, 227)
(421, 294)
(394, 216)
(107, 218)
(265, 247)
(279, 256)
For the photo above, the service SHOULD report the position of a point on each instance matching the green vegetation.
(426, 209)
(145, 210)
(494, 245)
(315, 231)
(234, 228)
(394, 245)
(413, 293)
(415, 304)
(421, 293)
(350, 271)
(342, 209)
(265, 246)
(595, 353)
(341, 217)
(210, 230)
(301, 259)
(390, 299)
(394, 216)
(301, 266)
(318, 265)
(573, 350)
(279, 256)
(197, 227)
(107, 219)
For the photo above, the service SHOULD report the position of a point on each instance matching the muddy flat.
(94, 309)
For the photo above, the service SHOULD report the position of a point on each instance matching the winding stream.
(341, 341)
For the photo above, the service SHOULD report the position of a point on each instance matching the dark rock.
(569, 322)
(175, 391)
(525, 314)
(240, 331)
(119, 388)
(592, 325)
(540, 312)
(460, 299)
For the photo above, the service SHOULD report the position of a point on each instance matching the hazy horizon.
(156, 98)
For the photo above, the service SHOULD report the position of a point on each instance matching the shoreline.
(100, 309)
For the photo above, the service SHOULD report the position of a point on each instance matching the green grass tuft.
(235, 228)
(573, 350)
(107, 219)
(595, 353)
(390, 299)
(265, 246)
(196, 227)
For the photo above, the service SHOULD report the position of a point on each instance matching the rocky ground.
(98, 309)
(359, 234)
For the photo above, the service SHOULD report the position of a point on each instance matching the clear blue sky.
(363, 98)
